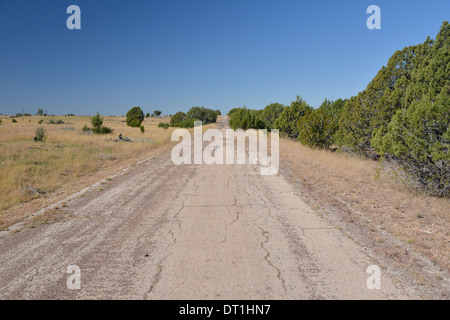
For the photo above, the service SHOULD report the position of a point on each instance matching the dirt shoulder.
(407, 231)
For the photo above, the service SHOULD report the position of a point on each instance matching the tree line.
(403, 116)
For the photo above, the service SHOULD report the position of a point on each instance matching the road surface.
(165, 231)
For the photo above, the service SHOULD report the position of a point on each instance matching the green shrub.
(135, 123)
(289, 117)
(202, 114)
(270, 114)
(142, 129)
(186, 123)
(86, 128)
(244, 119)
(418, 140)
(164, 125)
(41, 121)
(97, 121)
(316, 129)
(14, 121)
(102, 130)
(135, 116)
(177, 118)
(412, 74)
(39, 134)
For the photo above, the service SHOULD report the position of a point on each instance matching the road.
(165, 231)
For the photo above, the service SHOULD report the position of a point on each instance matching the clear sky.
(172, 55)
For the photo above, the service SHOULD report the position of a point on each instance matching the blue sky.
(172, 55)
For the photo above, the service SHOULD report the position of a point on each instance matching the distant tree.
(202, 114)
(39, 134)
(40, 112)
(270, 114)
(243, 118)
(135, 116)
(316, 129)
(97, 125)
(177, 118)
(157, 113)
(164, 125)
(289, 117)
(97, 121)
(232, 111)
(147, 115)
(418, 140)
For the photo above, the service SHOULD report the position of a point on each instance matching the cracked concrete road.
(163, 231)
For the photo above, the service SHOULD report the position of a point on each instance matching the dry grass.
(416, 219)
(35, 174)
(48, 217)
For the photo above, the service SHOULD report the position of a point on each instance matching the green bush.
(316, 129)
(102, 130)
(97, 125)
(14, 121)
(186, 123)
(39, 134)
(412, 74)
(177, 118)
(164, 125)
(418, 140)
(40, 121)
(233, 110)
(86, 128)
(289, 117)
(97, 121)
(270, 114)
(142, 129)
(135, 116)
(202, 114)
(135, 123)
(244, 119)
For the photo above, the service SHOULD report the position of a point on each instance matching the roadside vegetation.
(186, 120)
(402, 118)
(40, 161)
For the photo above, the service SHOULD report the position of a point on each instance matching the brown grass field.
(67, 161)
(420, 221)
